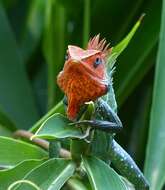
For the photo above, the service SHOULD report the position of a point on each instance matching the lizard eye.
(97, 62)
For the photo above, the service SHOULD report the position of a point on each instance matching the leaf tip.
(142, 17)
(32, 137)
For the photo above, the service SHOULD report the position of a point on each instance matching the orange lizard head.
(83, 77)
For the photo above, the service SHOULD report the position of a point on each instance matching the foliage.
(34, 36)
(155, 149)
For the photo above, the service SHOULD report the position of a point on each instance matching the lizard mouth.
(82, 68)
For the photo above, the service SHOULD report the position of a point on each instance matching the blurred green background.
(34, 35)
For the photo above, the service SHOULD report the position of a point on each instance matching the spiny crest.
(96, 44)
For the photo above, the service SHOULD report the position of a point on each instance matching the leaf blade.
(76, 184)
(139, 56)
(120, 47)
(33, 28)
(58, 108)
(154, 164)
(11, 153)
(53, 47)
(101, 176)
(7, 127)
(17, 173)
(58, 170)
(58, 127)
(16, 94)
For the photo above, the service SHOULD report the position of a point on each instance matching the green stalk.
(54, 47)
(86, 27)
(155, 162)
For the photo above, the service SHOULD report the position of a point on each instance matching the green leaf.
(58, 127)
(86, 24)
(17, 173)
(128, 184)
(155, 162)
(7, 127)
(139, 56)
(14, 151)
(140, 125)
(53, 47)
(58, 108)
(50, 175)
(116, 51)
(16, 99)
(76, 184)
(120, 47)
(5, 121)
(101, 176)
(33, 28)
(4, 131)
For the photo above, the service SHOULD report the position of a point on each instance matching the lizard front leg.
(109, 120)
(118, 156)
(107, 126)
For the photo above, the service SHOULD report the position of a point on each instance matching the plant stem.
(86, 27)
(53, 47)
(40, 142)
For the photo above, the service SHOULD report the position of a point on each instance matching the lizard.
(84, 78)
